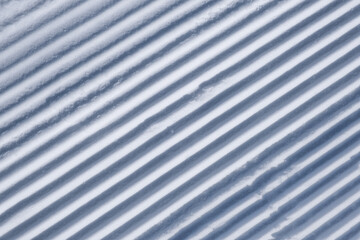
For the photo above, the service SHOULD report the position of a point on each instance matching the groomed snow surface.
(180, 119)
